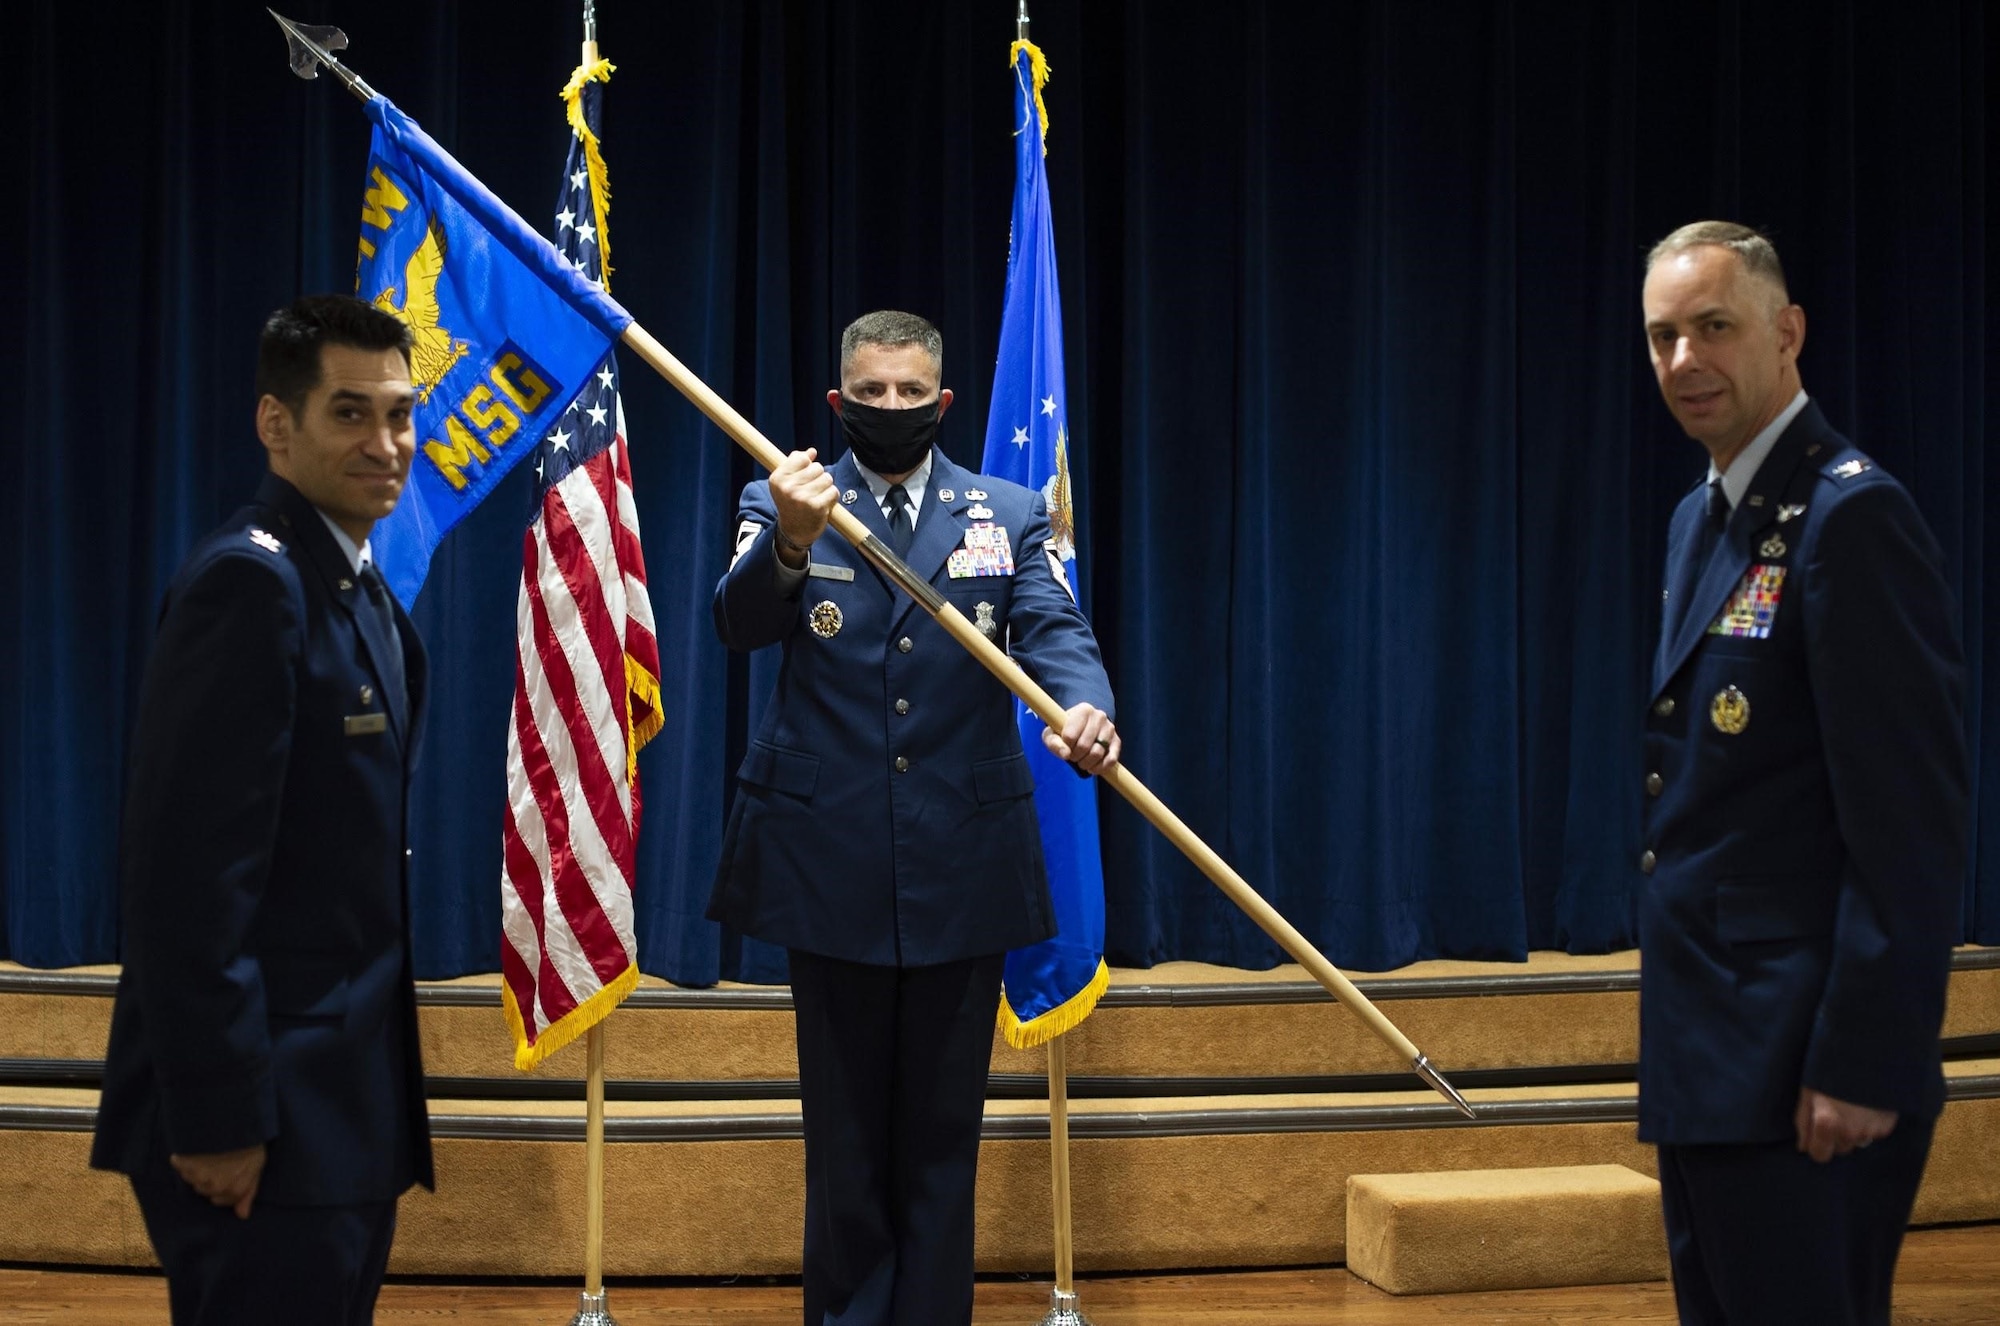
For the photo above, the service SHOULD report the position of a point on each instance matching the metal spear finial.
(590, 20)
(312, 47)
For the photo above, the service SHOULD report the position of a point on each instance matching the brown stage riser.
(720, 1208)
(1267, 1040)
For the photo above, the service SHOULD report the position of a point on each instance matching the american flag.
(586, 681)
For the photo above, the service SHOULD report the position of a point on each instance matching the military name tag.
(987, 553)
(1753, 607)
(828, 571)
(362, 725)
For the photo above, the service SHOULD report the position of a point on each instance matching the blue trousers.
(892, 1076)
(285, 1265)
(1764, 1235)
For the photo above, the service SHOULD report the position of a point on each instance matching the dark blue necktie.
(1717, 520)
(901, 524)
(391, 663)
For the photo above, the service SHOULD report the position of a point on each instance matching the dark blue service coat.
(885, 811)
(1806, 814)
(266, 993)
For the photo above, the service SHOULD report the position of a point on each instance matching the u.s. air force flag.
(506, 329)
(1051, 986)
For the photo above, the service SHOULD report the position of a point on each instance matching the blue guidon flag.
(507, 331)
(1051, 986)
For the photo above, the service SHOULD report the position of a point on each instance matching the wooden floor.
(1947, 1275)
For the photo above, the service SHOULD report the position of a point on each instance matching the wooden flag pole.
(1059, 1162)
(593, 1175)
(1122, 780)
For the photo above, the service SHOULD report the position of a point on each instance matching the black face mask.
(888, 441)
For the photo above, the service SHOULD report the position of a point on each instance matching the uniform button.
(1647, 861)
(1665, 708)
(1653, 784)
(902, 764)
(902, 706)
(904, 645)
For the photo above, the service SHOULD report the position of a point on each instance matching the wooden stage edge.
(1948, 1274)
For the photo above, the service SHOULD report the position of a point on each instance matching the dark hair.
(891, 328)
(1756, 252)
(288, 352)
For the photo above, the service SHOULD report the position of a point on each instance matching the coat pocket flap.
(1004, 778)
(793, 772)
(1774, 907)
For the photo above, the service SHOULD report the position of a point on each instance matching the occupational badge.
(1754, 606)
(266, 540)
(981, 513)
(825, 619)
(944, 494)
(1772, 547)
(975, 494)
(982, 617)
(1729, 711)
(1790, 512)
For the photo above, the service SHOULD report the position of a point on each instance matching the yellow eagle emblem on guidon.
(1056, 492)
(434, 349)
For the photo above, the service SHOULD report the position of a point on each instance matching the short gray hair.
(1756, 252)
(891, 328)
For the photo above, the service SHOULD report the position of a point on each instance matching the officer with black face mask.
(883, 828)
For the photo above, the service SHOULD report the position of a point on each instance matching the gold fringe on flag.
(642, 688)
(1039, 66)
(570, 1025)
(600, 177)
(1063, 1017)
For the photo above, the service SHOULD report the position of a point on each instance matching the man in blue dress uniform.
(262, 1086)
(1806, 817)
(884, 826)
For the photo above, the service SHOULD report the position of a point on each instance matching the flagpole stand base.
(1063, 1310)
(591, 1311)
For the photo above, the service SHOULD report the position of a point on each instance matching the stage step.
(1176, 1029)
(713, 1188)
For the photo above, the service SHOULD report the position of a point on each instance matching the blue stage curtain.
(1373, 477)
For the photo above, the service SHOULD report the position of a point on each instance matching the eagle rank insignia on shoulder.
(1847, 469)
(266, 540)
(825, 619)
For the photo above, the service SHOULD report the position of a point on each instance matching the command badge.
(982, 617)
(1729, 711)
(824, 619)
(266, 540)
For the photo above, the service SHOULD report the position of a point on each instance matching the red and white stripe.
(586, 698)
